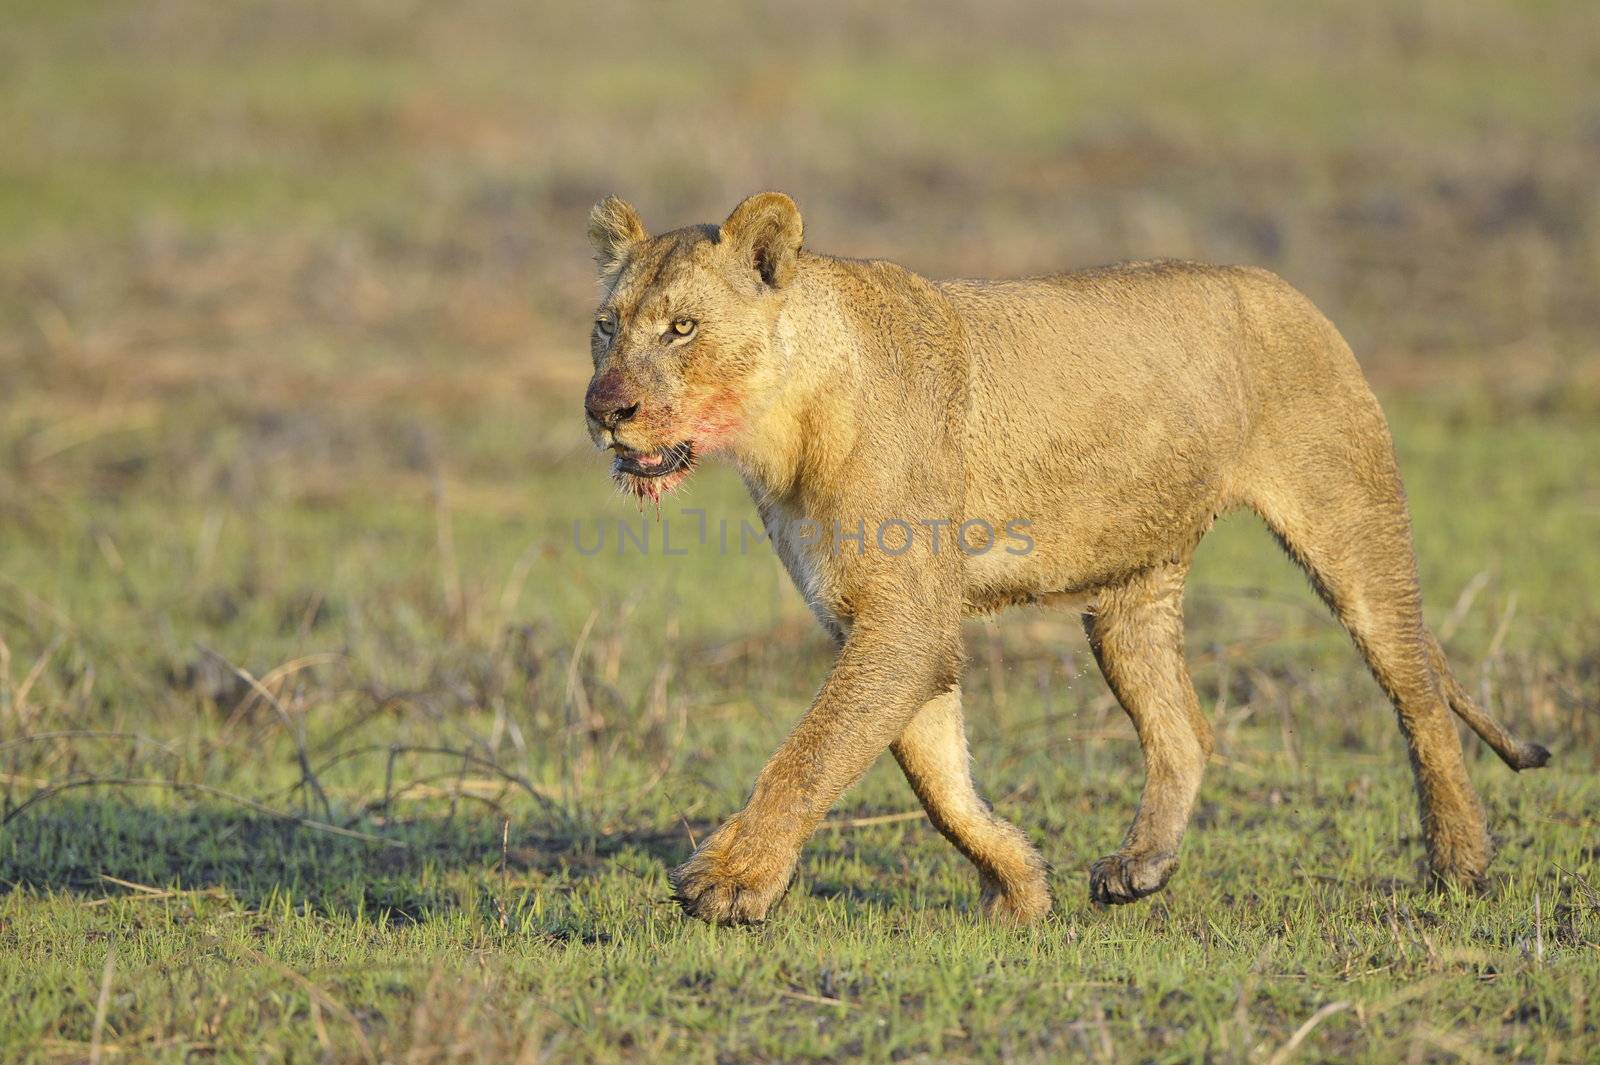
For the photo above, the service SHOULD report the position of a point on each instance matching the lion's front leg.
(932, 752)
(882, 678)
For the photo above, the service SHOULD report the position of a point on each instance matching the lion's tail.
(1516, 753)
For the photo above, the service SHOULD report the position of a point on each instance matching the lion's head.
(683, 335)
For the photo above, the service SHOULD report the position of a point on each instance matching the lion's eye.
(603, 326)
(683, 326)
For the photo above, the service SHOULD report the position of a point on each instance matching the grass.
(595, 714)
(320, 739)
(874, 955)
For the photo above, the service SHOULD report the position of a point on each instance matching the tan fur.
(1116, 411)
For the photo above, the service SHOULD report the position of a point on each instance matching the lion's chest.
(805, 546)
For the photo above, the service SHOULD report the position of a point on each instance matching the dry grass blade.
(1285, 1052)
(146, 893)
(1463, 605)
(19, 700)
(101, 1006)
(818, 1000)
(308, 779)
(846, 823)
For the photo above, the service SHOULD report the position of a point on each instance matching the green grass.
(291, 308)
(1298, 886)
(875, 952)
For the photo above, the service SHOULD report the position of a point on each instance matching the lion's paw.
(1119, 878)
(732, 878)
(1019, 904)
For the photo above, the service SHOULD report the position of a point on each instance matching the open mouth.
(651, 474)
(661, 463)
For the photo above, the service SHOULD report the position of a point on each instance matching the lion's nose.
(607, 403)
(615, 416)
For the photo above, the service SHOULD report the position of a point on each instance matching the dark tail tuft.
(1536, 756)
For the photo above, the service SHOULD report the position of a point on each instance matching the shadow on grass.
(421, 869)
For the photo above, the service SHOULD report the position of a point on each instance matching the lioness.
(1108, 416)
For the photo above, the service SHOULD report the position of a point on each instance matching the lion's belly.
(1098, 509)
(1114, 436)
(1080, 542)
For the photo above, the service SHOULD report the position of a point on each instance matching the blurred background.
(272, 202)
(301, 259)
(294, 303)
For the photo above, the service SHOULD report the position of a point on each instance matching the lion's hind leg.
(932, 751)
(1339, 510)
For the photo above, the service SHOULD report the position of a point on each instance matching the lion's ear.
(765, 231)
(614, 227)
